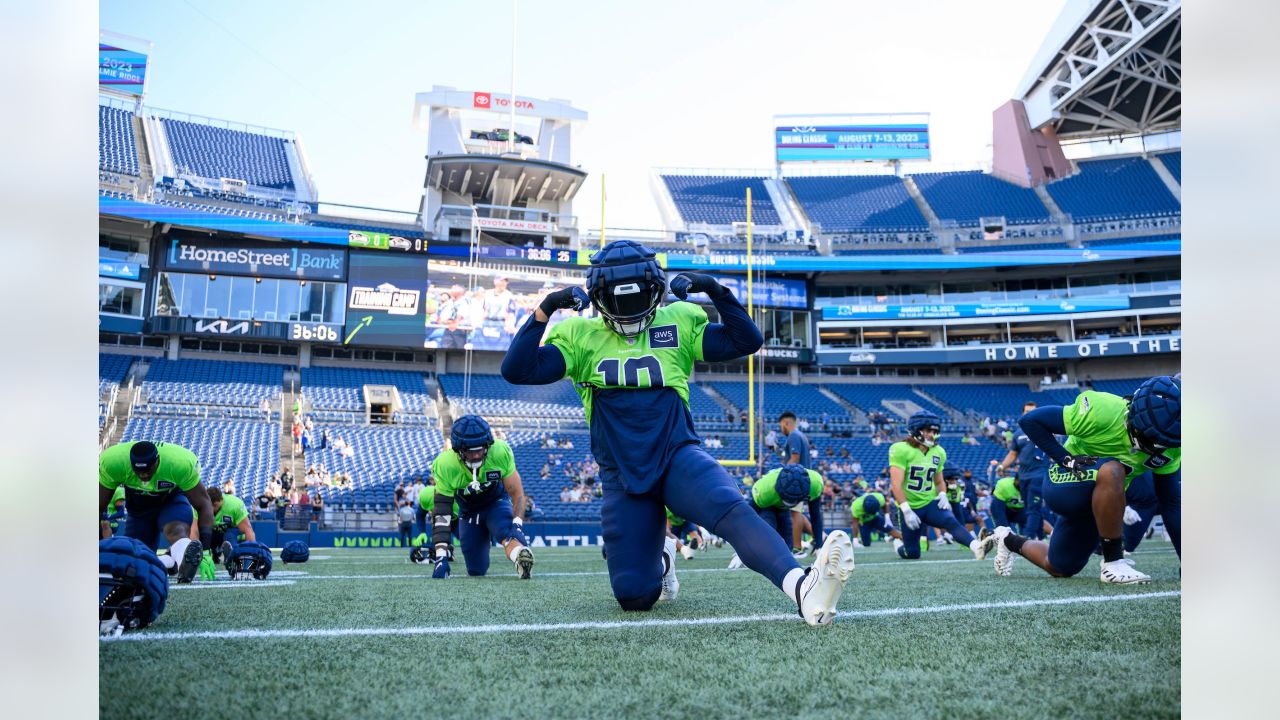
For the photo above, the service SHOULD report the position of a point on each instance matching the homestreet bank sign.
(255, 258)
(1004, 353)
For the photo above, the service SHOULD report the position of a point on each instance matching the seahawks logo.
(937, 460)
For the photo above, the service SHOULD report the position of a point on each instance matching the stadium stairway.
(289, 390)
(955, 415)
(145, 180)
(1169, 180)
(914, 191)
(720, 399)
(859, 417)
(1043, 193)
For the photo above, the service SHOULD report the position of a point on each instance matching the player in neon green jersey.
(1007, 507)
(915, 474)
(687, 535)
(776, 497)
(1111, 440)
(162, 486)
(630, 365)
(475, 470)
(868, 517)
(230, 523)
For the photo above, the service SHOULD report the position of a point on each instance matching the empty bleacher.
(869, 397)
(334, 388)
(1112, 189)
(997, 400)
(1115, 243)
(965, 197)
(212, 382)
(721, 200)
(117, 151)
(1173, 161)
(492, 395)
(214, 152)
(1012, 248)
(246, 452)
(112, 370)
(858, 203)
(382, 456)
(806, 401)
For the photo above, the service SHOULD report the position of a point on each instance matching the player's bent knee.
(175, 531)
(639, 604)
(477, 573)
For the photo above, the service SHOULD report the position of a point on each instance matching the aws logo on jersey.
(1155, 462)
(664, 336)
(492, 475)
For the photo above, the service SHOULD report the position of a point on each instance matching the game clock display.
(314, 332)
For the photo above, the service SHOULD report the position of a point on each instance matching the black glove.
(684, 283)
(570, 298)
(1078, 464)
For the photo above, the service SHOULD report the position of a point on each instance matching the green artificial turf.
(1114, 659)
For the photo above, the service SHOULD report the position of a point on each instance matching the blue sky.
(665, 84)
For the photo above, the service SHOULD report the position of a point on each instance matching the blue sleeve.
(735, 336)
(1041, 425)
(527, 363)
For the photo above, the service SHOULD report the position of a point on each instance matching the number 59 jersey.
(635, 391)
(919, 470)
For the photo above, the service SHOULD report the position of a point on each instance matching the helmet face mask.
(471, 437)
(628, 308)
(474, 457)
(626, 286)
(924, 428)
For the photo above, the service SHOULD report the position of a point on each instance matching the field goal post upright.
(752, 430)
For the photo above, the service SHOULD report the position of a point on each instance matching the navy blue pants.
(220, 535)
(930, 516)
(964, 515)
(1015, 518)
(1141, 496)
(1169, 498)
(1075, 535)
(420, 522)
(1033, 498)
(697, 488)
(477, 526)
(148, 525)
(779, 519)
(875, 524)
(683, 530)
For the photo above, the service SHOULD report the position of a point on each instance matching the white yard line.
(252, 634)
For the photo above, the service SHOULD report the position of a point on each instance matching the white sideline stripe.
(229, 583)
(144, 636)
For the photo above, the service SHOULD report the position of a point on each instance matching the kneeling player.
(631, 365)
(230, 523)
(868, 517)
(1111, 441)
(684, 534)
(915, 475)
(775, 497)
(1007, 507)
(475, 470)
(161, 482)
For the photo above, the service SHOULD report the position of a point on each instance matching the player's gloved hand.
(442, 569)
(909, 516)
(685, 283)
(570, 298)
(944, 504)
(1131, 516)
(1078, 464)
(206, 565)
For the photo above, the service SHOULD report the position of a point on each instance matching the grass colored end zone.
(1118, 658)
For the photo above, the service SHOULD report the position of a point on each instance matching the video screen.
(482, 311)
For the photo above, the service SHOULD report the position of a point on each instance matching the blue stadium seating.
(214, 152)
(1122, 387)
(383, 456)
(868, 397)
(212, 382)
(112, 370)
(1112, 189)
(804, 400)
(117, 151)
(492, 395)
(244, 451)
(872, 250)
(997, 400)
(967, 196)
(1012, 248)
(1173, 161)
(858, 203)
(332, 388)
(1127, 241)
(721, 200)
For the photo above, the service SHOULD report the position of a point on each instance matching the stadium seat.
(214, 152)
(117, 151)
(965, 197)
(858, 203)
(721, 200)
(1114, 188)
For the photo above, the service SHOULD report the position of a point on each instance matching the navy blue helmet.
(921, 421)
(295, 551)
(249, 558)
(870, 505)
(1155, 415)
(793, 485)
(626, 286)
(471, 438)
(133, 585)
(144, 456)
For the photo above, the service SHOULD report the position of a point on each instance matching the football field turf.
(359, 633)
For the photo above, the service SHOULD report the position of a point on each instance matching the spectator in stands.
(263, 506)
(304, 499)
(347, 451)
(273, 488)
(567, 443)
(398, 494)
(286, 481)
(803, 425)
(282, 504)
(324, 439)
(229, 487)
(876, 440)
(317, 506)
(295, 496)
(771, 440)
(265, 407)
(856, 467)
(565, 495)
(406, 514)
(339, 444)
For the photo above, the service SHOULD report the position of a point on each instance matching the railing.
(505, 212)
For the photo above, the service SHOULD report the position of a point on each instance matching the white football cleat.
(857, 543)
(982, 544)
(524, 563)
(687, 552)
(736, 563)
(1122, 572)
(1004, 556)
(819, 591)
(670, 585)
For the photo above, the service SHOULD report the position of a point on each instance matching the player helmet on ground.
(420, 555)
(144, 457)
(132, 585)
(921, 421)
(471, 438)
(295, 551)
(1155, 415)
(626, 286)
(793, 485)
(249, 558)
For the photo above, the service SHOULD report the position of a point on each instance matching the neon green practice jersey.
(1008, 493)
(859, 505)
(765, 491)
(231, 514)
(919, 469)
(1096, 426)
(179, 471)
(478, 488)
(427, 499)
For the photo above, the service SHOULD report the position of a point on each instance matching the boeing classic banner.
(997, 308)
(257, 258)
(880, 141)
(121, 70)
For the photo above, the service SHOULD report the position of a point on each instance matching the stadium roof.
(1108, 67)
